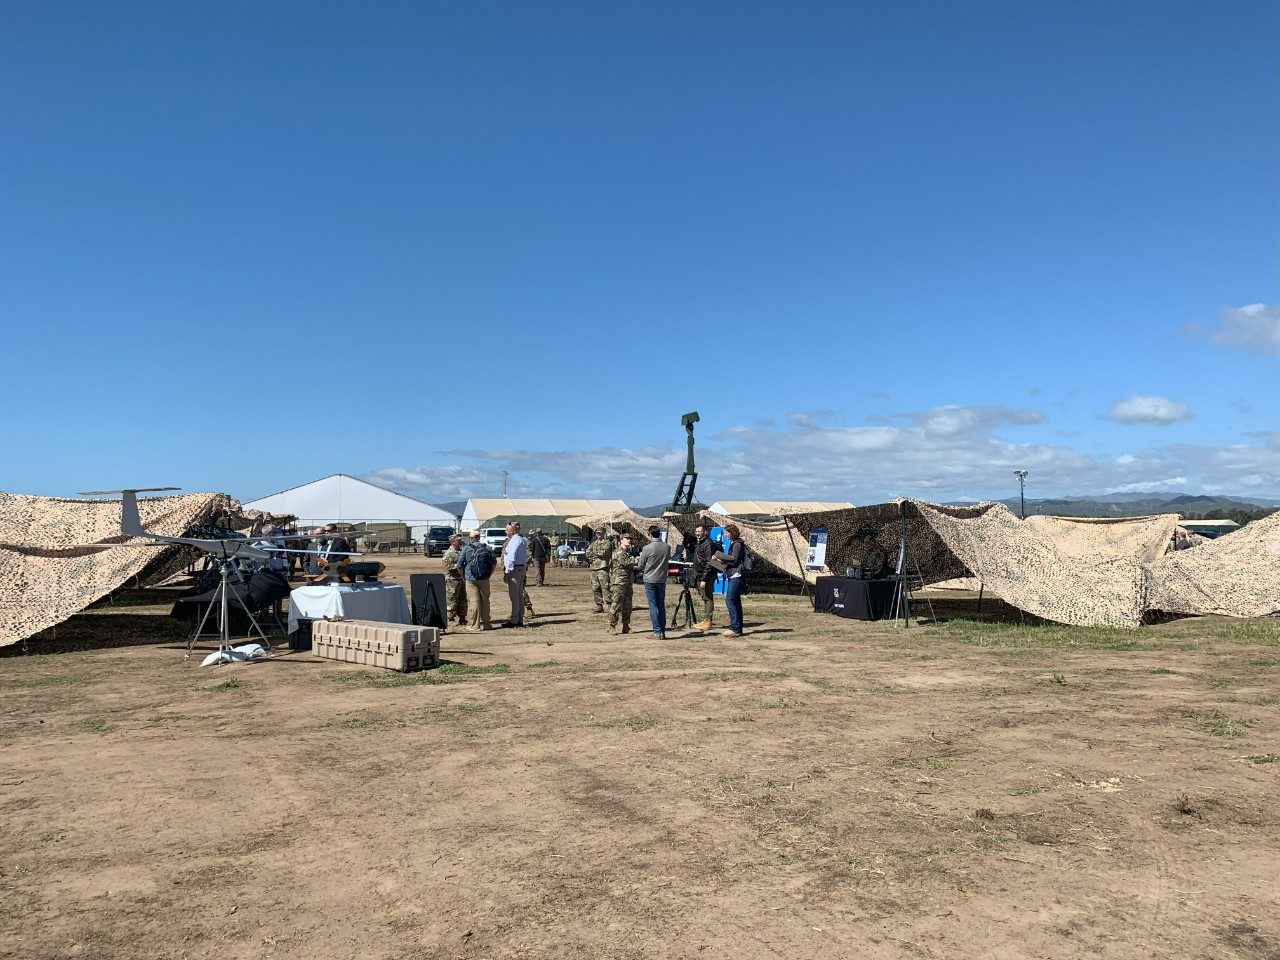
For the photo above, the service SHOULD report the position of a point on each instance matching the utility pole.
(504, 484)
(1022, 491)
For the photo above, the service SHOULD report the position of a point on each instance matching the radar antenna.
(682, 502)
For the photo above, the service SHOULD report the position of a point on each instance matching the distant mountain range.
(1171, 497)
(1140, 504)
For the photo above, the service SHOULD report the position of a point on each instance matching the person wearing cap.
(599, 553)
(477, 589)
(623, 564)
(455, 586)
(539, 550)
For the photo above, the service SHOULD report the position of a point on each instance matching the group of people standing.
(469, 568)
(613, 570)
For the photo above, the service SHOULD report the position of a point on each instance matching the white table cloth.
(383, 602)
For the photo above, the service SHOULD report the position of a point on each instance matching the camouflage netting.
(775, 543)
(1082, 571)
(54, 561)
(618, 521)
(1071, 570)
(1236, 575)
(1086, 574)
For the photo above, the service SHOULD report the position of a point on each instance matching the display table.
(383, 602)
(854, 599)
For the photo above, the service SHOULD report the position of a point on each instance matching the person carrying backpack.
(737, 562)
(477, 564)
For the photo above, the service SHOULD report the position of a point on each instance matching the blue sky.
(884, 249)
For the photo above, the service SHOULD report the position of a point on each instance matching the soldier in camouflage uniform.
(622, 567)
(599, 552)
(455, 592)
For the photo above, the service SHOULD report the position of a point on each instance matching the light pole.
(1022, 491)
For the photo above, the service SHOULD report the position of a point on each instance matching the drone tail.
(130, 522)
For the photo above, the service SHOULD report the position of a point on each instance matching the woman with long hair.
(736, 555)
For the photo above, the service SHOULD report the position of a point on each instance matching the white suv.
(495, 537)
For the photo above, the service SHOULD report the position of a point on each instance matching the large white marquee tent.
(345, 499)
(478, 512)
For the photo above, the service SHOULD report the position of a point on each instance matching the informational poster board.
(817, 558)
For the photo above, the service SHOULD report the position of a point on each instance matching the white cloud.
(1254, 328)
(1157, 411)
(951, 420)
(809, 418)
(942, 454)
(1152, 486)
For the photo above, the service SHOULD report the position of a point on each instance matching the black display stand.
(854, 599)
(426, 592)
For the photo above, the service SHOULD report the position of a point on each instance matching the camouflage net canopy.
(775, 543)
(1080, 571)
(1236, 575)
(54, 560)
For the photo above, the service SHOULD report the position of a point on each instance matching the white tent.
(341, 498)
(478, 512)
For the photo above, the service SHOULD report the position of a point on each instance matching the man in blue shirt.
(515, 554)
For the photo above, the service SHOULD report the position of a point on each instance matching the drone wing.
(131, 526)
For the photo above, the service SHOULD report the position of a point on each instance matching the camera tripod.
(684, 603)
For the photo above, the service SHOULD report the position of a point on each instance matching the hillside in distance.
(1129, 505)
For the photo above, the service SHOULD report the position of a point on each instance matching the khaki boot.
(702, 625)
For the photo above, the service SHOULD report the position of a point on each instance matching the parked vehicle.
(436, 542)
(495, 537)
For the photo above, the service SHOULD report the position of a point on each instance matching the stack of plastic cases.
(391, 646)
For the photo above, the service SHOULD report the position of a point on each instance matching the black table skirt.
(854, 599)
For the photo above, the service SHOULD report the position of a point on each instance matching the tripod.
(684, 603)
(905, 578)
(224, 614)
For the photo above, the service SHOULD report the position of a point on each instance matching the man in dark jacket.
(539, 551)
(704, 575)
(329, 547)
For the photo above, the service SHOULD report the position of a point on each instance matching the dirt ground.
(820, 788)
